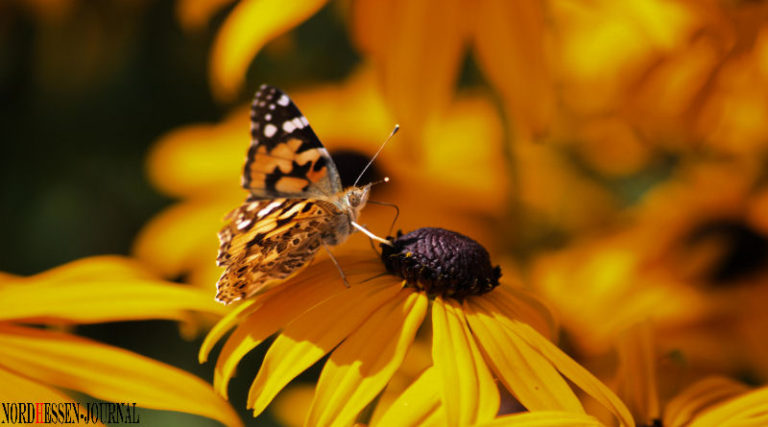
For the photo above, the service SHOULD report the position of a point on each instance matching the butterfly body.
(296, 202)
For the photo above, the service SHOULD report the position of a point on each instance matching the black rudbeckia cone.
(441, 262)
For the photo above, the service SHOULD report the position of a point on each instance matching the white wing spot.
(267, 117)
(269, 130)
(271, 106)
(298, 123)
(283, 100)
(304, 120)
(244, 224)
(268, 210)
(288, 126)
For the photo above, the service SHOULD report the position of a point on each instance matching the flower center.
(742, 250)
(441, 262)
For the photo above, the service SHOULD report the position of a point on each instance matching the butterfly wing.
(285, 159)
(268, 241)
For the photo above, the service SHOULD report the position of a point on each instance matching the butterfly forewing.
(285, 159)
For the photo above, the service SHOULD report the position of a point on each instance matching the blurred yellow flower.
(37, 362)
(693, 256)
(457, 186)
(368, 328)
(712, 401)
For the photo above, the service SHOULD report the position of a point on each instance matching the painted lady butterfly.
(296, 203)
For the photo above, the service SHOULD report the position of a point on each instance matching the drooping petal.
(363, 364)
(250, 25)
(232, 319)
(519, 304)
(567, 366)
(637, 373)
(409, 41)
(95, 268)
(749, 409)
(277, 309)
(108, 373)
(313, 335)
(701, 395)
(468, 391)
(418, 405)
(17, 388)
(105, 300)
(523, 370)
(545, 419)
(510, 41)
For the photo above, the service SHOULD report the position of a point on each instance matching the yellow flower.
(480, 332)
(457, 185)
(712, 401)
(37, 361)
(692, 257)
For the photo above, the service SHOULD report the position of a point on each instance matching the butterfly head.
(355, 198)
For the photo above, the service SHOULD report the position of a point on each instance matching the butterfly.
(296, 203)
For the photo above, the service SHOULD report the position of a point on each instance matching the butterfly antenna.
(391, 134)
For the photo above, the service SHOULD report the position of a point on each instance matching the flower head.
(441, 262)
(490, 332)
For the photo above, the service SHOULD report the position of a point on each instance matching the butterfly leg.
(333, 258)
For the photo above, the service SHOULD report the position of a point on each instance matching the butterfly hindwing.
(285, 159)
(266, 241)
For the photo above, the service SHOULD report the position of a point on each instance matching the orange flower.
(691, 260)
(36, 363)
(713, 401)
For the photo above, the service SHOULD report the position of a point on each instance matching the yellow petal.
(201, 158)
(363, 364)
(291, 407)
(232, 319)
(17, 388)
(108, 373)
(510, 41)
(468, 391)
(545, 419)
(105, 300)
(749, 409)
(95, 268)
(637, 373)
(700, 396)
(417, 47)
(574, 372)
(523, 370)
(313, 335)
(519, 304)
(250, 25)
(277, 309)
(418, 405)
(178, 238)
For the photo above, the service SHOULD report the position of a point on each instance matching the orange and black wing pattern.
(285, 159)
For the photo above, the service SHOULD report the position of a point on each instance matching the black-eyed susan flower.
(711, 401)
(482, 331)
(38, 361)
(692, 260)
